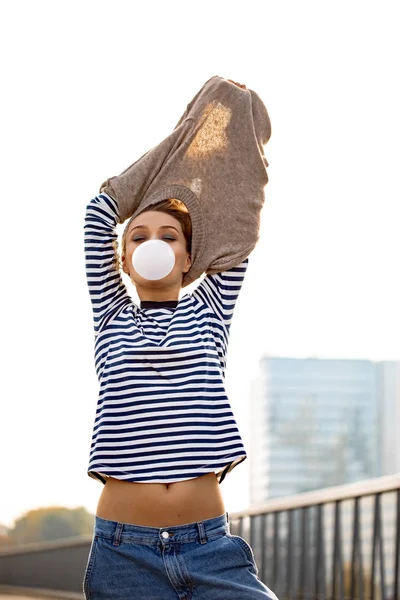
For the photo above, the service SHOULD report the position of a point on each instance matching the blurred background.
(313, 371)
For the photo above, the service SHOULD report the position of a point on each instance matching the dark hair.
(176, 209)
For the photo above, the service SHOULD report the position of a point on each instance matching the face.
(155, 225)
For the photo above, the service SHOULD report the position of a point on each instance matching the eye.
(169, 237)
(138, 238)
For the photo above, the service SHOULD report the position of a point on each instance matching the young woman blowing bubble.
(164, 435)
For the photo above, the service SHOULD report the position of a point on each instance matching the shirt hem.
(220, 473)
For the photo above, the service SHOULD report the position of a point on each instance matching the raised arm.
(106, 288)
(220, 291)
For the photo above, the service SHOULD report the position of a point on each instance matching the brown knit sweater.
(213, 161)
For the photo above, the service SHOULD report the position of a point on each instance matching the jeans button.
(165, 534)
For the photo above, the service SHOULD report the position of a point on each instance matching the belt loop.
(202, 532)
(117, 534)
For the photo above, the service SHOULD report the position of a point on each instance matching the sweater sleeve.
(220, 291)
(107, 291)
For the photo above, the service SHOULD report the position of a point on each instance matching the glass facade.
(316, 423)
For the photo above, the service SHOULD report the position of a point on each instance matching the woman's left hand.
(241, 85)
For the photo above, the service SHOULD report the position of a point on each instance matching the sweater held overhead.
(214, 162)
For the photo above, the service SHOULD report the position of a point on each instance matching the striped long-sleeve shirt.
(162, 413)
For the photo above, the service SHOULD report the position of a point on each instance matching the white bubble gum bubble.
(153, 260)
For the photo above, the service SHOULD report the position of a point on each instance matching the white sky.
(88, 87)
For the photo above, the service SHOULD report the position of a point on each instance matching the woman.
(164, 435)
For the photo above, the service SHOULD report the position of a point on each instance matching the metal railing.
(340, 543)
(337, 543)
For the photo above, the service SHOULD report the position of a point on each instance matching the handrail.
(72, 542)
(349, 491)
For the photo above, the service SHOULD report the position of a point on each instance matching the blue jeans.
(196, 561)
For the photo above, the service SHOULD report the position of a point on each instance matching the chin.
(153, 284)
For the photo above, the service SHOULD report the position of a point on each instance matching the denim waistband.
(198, 531)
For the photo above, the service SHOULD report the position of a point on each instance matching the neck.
(157, 294)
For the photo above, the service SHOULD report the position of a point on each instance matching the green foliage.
(51, 523)
(5, 541)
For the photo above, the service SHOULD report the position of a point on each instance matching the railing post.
(396, 586)
(337, 555)
(289, 555)
(264, 542)
(377, 538)
(396, 592)
(320, 587)
(357, 554)
(275, 570)
(304, 555)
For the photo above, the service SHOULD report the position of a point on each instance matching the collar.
(161, 304)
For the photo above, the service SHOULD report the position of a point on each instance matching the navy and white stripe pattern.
(162, 413)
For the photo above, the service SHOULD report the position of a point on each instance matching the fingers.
(241, 85)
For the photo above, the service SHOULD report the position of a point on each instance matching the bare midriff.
(161, 504)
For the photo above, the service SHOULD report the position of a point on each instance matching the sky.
(88, 87)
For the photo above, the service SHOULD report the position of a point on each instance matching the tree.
(51, 523)
(5, 541)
